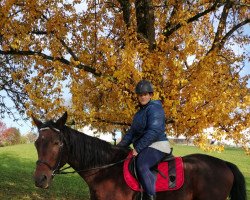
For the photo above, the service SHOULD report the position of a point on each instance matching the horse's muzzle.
(42, 181)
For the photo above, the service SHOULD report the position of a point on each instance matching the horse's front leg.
(102, 192)
(93, 195)
(110, 186)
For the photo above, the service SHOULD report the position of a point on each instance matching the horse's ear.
(61, 121)
(37, 122)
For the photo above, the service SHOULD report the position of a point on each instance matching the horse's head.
(49, 145)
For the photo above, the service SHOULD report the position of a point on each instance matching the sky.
(23, 126)
(26, 126)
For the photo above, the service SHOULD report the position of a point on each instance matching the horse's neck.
(88, 152)
(91, 158)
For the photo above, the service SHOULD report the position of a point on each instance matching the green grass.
(17, 164)
(233, 155)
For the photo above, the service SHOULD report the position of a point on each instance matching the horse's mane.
(91, 151)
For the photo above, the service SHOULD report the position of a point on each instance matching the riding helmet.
(144, 86)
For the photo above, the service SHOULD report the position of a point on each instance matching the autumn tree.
(31, 137)
(2, 129)
(100, 49)
(12, 89)
(11, 136)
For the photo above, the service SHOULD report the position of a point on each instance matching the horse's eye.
(56, 143)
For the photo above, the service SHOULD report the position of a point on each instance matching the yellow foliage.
(90, 50)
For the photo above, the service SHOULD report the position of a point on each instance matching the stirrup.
(148, 197)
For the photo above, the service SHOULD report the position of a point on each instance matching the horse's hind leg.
(211, 194)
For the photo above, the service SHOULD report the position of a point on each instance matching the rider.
(147, 136)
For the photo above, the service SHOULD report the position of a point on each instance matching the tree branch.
(38, 32)
(145, 21)
(221, 25)
(168, 121)
(69, 50)
(126, 8)
(112, 122)
(229, 33)
(51, 58)
(170, 30)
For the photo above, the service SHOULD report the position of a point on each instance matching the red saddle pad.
(162, 183)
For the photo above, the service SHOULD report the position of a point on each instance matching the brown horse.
(100, 164)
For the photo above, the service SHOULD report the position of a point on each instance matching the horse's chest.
(109, 191)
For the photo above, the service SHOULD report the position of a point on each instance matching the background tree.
(100, 49)
(11, 136)
(2, 129)
(31, 137)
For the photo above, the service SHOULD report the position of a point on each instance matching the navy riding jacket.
(148, 126)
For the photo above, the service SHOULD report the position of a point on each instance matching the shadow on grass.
(16, 182)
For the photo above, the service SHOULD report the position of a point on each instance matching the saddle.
(169, 173)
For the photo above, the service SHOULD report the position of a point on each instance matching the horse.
(100, 164)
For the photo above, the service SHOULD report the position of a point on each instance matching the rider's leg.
(146, 159)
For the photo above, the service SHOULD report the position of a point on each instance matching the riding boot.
(148, 197)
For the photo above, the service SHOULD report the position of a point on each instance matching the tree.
(102, 48)
(31, 137)
(2, 129)
(12, 87)
(11, 136)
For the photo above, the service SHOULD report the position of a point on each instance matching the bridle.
(56, 168)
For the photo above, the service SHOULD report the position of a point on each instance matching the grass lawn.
(17, 164)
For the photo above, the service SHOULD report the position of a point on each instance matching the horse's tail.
(238, 191)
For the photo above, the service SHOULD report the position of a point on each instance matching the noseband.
(56, 167)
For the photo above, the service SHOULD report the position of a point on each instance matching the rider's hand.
(135, 152)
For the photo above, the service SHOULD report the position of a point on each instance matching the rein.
(62, 171)
(57, 170)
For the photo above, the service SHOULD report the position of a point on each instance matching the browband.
(47, 128)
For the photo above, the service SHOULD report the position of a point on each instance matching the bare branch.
(51, 58)
(220, 43)
(170, 30)
(229, 33)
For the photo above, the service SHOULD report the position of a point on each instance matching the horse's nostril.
(40, 181)
(43, 178)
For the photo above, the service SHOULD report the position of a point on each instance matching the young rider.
(147, 134)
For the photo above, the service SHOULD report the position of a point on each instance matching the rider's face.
(144, 98)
